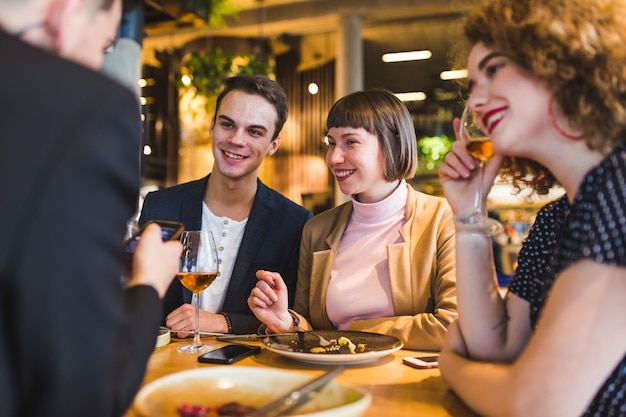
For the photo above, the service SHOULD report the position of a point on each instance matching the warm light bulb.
(313, 89)
(407, 56)
(413, 96)
(453, 75)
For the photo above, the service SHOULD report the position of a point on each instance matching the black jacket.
(271, 241)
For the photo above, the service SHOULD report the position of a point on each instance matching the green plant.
(211, 11)
(207, 71)
(431, 151)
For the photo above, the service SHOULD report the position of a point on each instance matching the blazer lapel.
(399, 257)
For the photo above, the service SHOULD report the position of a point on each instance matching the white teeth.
(341, 174)
(495, 118)
(233, 156)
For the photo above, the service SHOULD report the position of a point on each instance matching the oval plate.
(298, 346)
(247, 385)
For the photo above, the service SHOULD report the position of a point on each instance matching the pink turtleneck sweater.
(359, 280)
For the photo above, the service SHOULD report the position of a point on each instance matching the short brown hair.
(259, 85)
(382, 114)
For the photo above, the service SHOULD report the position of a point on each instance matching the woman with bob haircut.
(382, 262)
(548, 82)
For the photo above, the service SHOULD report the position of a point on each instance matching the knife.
(296, 397)
(232, 336)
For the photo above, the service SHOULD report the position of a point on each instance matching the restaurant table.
(397, 389)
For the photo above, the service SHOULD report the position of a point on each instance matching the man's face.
(97, 30)
(242, 134)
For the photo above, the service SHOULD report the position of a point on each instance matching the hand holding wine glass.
(199, 267)
(479, 146)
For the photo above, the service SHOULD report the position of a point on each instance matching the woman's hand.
(458, 175)
(269, 301)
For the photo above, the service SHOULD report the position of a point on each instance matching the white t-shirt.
(227, 234)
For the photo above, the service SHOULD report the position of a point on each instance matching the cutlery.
(231, 336)
(297, 397)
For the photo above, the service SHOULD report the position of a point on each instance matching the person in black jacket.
(73, 342)
(255, 227)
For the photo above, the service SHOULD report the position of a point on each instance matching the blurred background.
(318, 50)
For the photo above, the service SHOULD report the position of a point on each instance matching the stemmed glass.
(199, 267)
(479, 146)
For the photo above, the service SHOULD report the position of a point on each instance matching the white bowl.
(249, 386)
(163, 338)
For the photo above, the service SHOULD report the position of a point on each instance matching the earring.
(557, 127)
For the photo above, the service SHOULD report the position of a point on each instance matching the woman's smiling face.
(512, 104)
(354, 156)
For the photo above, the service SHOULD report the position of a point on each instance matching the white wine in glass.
(479, 146)
(199, 267)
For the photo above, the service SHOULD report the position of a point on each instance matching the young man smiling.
(255, 227)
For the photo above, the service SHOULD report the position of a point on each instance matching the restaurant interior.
(318, 50)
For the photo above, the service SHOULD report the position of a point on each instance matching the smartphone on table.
(228, 354)
(421, 362)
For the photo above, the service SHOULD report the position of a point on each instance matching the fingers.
(155, 263)
(183, 318)
(456, 125)
(272, 279)
(458, 163)
(493, 167)
(262, 296)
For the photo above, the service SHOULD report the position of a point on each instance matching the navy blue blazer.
(271, 241)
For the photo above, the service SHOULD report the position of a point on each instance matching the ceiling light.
(186, 80)
(414, 96)
(407, 56)
(453, 75)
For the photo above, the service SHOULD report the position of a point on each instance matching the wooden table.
(397, 390)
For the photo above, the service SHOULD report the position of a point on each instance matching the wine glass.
(479, 146)
(199, 267)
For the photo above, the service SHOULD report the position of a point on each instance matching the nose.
(334, 156)
(478, 98)
(236, 137)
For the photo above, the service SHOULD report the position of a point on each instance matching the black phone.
(228, 354)
(169, 231)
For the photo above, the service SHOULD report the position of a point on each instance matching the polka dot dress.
(594, 227)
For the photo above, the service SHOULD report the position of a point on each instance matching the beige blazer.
(421, 270)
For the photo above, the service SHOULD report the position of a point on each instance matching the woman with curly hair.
(548, 81)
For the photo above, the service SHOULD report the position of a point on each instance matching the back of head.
(575, 46)
(381, 113)
(262, 86)
(78, 31)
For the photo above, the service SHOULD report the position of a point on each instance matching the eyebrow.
(228, 119)
(483, 62)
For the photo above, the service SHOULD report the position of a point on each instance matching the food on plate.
(232, 409)
(341, 345)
